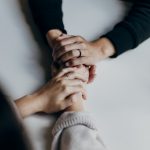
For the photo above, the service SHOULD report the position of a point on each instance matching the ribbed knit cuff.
(122, 37)
(69, 119)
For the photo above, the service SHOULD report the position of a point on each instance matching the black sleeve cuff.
(123, 39)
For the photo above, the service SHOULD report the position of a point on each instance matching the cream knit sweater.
(76, 131)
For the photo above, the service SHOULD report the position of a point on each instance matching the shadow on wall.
(45, 61)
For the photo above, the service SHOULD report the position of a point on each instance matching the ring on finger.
(80, 53)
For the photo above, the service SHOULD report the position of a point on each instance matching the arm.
(55, 96)
(128, 34)
(75, 129)
(47, 14)
(134, 29)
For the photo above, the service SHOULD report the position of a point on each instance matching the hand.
(51, 36)
(78, 106)
(75, 50)
(56, 95)
(92, 68)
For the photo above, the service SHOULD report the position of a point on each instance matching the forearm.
(134, 29)
(28, 105)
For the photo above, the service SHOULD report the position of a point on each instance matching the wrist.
(28, 105)
(105, 47)
(52, 35)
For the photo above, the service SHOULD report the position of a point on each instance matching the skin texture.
(65, 90)
(52, 37)
(89, 73)
(67, 50)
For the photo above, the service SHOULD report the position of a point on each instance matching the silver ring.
(80, 53)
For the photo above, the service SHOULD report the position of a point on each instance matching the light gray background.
(119, 99)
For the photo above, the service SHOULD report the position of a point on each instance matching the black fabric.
(128, 34)
(47, 14)
(133, 30)
(11, 130)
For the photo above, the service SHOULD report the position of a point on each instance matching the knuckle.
(62, 82)
(64, 70)
(79, 38)
(83, 45)
(81, 83)
(72, 99)
(73, 53)
(66, 89)
(81, 86)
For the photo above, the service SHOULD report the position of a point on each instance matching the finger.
(63, 36)
(77, 96)
(84, 96)
(78, 84)
(65, 71)
(92, 73)
(56, 41)
(70, 100)
(69, 40)
(72, 83)
(79, 61)
(91, 78)
(75, 75)
(70, 55)
(75, 89)
(70, 47)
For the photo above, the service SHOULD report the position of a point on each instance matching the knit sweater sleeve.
(76, 130)
(47, 14)
(134, 29)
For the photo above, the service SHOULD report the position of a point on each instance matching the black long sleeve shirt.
(128, 34)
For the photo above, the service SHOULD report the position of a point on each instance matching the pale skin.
(66, 50)
(64, 92)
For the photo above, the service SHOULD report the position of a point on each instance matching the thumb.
(70, 100)
(92, 73)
